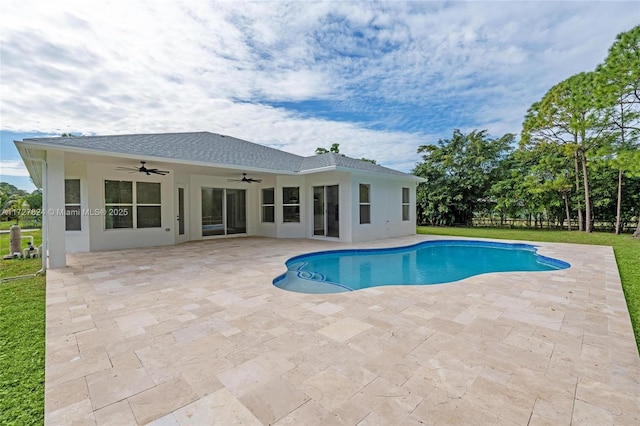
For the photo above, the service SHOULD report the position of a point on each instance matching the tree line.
(577, 160)
(14, 201)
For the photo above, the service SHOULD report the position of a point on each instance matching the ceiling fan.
(143, 169)
(245, 179)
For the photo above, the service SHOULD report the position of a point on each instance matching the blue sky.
(378, 78)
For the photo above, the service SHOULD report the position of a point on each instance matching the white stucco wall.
(386, 208)
(109, 239)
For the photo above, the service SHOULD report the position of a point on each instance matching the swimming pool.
(429, 262)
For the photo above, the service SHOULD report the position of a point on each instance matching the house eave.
(32, 157)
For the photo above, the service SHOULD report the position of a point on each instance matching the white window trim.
(407, 204)
(291, 205)
(263, 205)
(79, 204)
(133, 205)
(360, 203)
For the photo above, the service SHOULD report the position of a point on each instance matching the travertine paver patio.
(195, 334)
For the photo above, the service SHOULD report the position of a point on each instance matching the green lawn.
(16, 267)
(625, 247)
(22, 339)
(24, 224)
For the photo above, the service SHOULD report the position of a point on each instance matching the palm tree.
(15, 207)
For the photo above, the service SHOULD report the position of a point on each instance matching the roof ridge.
(127, 135)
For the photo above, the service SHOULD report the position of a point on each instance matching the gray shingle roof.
(210, 148)
(331, 159)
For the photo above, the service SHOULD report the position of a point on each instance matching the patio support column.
(54, 192)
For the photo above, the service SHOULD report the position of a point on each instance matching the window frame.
(406, 205)
(364, 204)
(131, 207)
(77, 207)
(289, 205)
(138, 205)
(271, 206)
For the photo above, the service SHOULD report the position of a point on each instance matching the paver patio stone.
(162, 399)
(118, 413)
(166, 339)
(116, 384)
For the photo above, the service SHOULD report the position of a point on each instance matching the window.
(72, 205)
(120, 204)
(291, 204)
(405, 204)
(365, 204)
(268, 205)
(148, 206)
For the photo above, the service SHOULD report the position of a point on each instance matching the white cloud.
(403, 74)
(13, 168)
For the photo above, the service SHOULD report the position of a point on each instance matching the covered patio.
(196, 334)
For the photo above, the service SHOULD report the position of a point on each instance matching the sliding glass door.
(326, 212)
(236, 211)
(223, 211)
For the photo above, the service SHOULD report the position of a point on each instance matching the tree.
(568, 115)
(15, 207)
(335, 148)
(547, 181)
(10, 197)
(34, 199)
(459, 173)
(618, 90)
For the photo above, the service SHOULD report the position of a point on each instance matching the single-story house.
(131, 191)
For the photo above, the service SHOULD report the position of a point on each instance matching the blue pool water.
(429, 262)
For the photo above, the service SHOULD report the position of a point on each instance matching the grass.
(625, 247)
(5, 225)
(22, 339)
(16, 267)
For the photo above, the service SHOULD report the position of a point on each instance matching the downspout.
(45, 219)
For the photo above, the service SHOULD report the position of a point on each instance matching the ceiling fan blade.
(245, 179)
(156, 171)
(143, 169)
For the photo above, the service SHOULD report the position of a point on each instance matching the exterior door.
(224, 211)
(236, 211)
(326, 211)
(181, 218)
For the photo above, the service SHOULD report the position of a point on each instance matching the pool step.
(314, 276)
